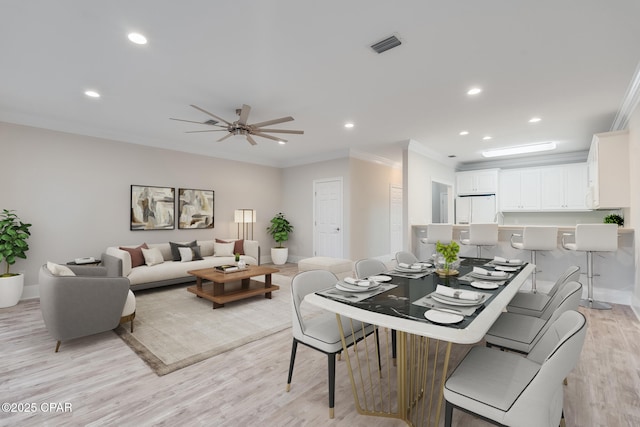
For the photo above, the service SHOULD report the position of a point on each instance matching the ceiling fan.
(241, 127)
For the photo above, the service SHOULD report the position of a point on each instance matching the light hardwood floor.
(107, 384)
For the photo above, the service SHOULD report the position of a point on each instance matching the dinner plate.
(442, 317)
(505, 268)
(485, 285)
(483, 277)
(355, 288)
(507, 264)
(455, 301)
(379, 278)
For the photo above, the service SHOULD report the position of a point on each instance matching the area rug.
(174, 328)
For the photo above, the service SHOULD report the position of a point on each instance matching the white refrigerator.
(476, 209)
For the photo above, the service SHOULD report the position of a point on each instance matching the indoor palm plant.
(448, 261)
(279, 229)
(13, 244)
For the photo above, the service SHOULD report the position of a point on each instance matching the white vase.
(279, 255)
(11, 290)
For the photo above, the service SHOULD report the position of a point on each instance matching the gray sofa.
(169, 272)
(85, 304)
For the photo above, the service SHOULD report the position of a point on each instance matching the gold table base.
(410, 390)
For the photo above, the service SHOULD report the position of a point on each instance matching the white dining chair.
(534, 304)
(511, 390)
(535, 238)
(592, 238)
(406, 257)
(321, 332)
(369, 267)
(480, 235)
(520, 332)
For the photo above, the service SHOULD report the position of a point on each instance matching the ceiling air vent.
(211, 122)
(386, 44)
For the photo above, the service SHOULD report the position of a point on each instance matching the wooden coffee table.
(215, 291)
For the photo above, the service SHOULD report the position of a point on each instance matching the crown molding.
(629, 103)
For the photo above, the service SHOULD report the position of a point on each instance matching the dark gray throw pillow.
(197, 256)
(175, 252)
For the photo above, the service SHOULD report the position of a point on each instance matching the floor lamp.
(246, 217)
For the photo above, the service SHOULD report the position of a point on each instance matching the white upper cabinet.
(608, 171)
(477, 182)
(519, 190)
(564, 187)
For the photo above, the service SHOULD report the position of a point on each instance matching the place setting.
(449, 306)
(412, 271)
(505, 264)
(355, 290)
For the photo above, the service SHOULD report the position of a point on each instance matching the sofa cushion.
(223, 249)
(206, 247)
(175, 252)
(136, 254)
(152, 256)
(238, 245)
(59, 270)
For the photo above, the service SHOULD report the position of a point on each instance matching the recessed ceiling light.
(137, 38)
(464, 132)
(349, 125)
(92, 93)
(534, 119)
(486, 138)
(521, 149)
(474, 91)
(282, 143)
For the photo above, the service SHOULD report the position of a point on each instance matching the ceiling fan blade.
(264, 135)
(251, 140)
(299, 132)
(272, 122)
(244, 114)
(212, 115)
(225, 137)
(210, 130)
(193, 121)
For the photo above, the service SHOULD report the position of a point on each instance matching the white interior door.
(395, 219)
(327, 213)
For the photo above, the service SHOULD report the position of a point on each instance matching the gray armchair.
(81, 305)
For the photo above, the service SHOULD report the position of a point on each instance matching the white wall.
(633, 218)
(75, 190)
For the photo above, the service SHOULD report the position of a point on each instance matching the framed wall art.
(195, 208)
(152, 208)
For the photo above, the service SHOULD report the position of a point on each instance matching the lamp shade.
(244, 216)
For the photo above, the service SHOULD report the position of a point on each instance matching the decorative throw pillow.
(223, 249)
(197, 256)
(137, 258)
(175, 253)
(185, 254)
(152, 256)
(238, 245)
(59, 270)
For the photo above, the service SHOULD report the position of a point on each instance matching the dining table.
(419, 315)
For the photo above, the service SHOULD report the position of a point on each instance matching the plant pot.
(11, 290)
(279, 255)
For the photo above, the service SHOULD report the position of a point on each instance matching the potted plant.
(13, 244)
(614, 219)
(279, 229)
(448, 261)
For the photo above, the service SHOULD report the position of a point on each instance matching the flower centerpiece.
(448, 261)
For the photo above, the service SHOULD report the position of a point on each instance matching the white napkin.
(352, 281)
(404, 265)
(485, 272)
(417, 266)
(508, 261)
(457, 293)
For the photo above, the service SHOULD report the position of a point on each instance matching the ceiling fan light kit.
(241, 127)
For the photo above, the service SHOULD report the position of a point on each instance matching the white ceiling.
(568, 62)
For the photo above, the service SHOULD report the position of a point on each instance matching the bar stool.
(592, 238)
(536, 239)
(481, 235)
(442, 233)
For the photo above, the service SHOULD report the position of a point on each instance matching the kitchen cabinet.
(477, 182)
(564, 187)
(519, 190)
(608, 171)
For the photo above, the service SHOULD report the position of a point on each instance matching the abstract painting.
(195, 208)
(152, 208)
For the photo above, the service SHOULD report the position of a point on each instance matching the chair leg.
(448, 414)
(393, 346)
(590, 302)
(58, 346)
(378, 348)
(533, 274)
(294, 347)
(332, 383)
(562, 421)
